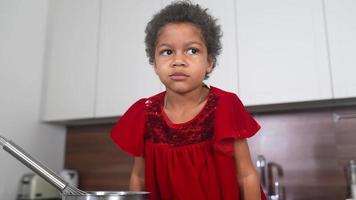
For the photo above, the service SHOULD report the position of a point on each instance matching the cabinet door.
(224, 75)
(282, 51)
(69, 86)
(124, 74)
(341, 26)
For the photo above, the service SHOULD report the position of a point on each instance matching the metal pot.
(107, 195)
(68, 191)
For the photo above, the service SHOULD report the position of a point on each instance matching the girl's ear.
(210, 64)
(155, 68)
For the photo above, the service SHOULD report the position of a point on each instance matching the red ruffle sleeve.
(128, 132)
(232, 121)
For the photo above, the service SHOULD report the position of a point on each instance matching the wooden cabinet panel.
(102, 166)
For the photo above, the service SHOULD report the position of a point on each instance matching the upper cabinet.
(282, 51)
(71, 52)
(96, 62)
(124, 73)
(341, 27)
(273, 52)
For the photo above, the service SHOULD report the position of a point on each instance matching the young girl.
(189, 142)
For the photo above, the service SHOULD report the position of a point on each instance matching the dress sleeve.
(128, 132)
(232, 121)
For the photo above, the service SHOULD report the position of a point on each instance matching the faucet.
(275, 172)
(262, 170)
(350, 172)
(270, 173)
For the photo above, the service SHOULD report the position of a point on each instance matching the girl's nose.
(178, 60)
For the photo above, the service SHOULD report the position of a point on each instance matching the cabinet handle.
(337, 117)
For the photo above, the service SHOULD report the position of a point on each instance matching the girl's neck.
(194, 98)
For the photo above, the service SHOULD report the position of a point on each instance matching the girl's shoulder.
(143, 102)
(232, 121)
(156, 97)
(224, 95)
(128, 132)
(221, 92)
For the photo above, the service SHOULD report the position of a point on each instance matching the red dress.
(192, 160)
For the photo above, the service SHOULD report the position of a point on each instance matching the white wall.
(22, 48)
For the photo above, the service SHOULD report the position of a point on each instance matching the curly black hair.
(180, 12)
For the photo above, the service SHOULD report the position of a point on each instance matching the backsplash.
(312, 147)
(101, 165)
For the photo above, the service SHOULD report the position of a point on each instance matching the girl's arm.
(248, 178)
(137, 179)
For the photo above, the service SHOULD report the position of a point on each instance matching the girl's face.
(181, 57)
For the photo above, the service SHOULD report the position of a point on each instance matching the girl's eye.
(166, 52)
(192, 51)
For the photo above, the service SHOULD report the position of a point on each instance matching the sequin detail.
(200, 129)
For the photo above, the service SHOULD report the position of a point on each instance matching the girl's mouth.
(178, 76)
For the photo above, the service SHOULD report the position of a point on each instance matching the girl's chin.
(180, 88)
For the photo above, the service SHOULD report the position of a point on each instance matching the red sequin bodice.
(199, 129)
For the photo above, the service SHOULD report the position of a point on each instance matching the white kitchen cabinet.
(124, 74)
(282, 51)
(341, 27)
(71, 60)
(225, 74)
(273, 52)
(96, 61)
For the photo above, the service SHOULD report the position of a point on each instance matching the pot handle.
(33, 164)
(2, 141)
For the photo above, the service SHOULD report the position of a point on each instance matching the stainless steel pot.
(107, 195)
(68, 192)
